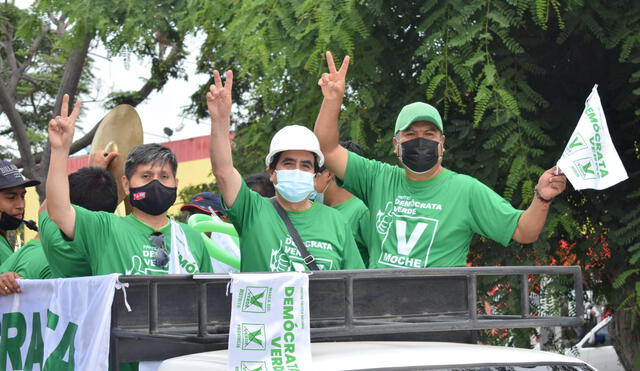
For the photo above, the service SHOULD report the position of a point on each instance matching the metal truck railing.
(174, 315)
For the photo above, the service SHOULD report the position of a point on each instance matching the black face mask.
(419, 154)
(153, 198)
(9, 222)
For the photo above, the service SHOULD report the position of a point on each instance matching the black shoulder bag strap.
(308, 259)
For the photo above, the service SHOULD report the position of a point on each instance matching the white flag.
(590, 160)
(269, 327)
(58, 324)
(227, 244)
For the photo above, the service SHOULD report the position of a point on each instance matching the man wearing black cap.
(12, 191)
(422, 214)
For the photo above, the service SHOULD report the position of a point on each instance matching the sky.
(161, 109)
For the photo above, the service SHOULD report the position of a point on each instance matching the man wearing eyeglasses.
(144, 242)
(293, 160)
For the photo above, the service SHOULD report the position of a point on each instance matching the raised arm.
(61, 130)
(326, 128)
(219, 104)
(532, 220)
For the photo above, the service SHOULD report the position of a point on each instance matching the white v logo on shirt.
(405, 247)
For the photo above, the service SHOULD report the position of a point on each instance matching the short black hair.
(261, 183)
(94, 189)
(276, 157)
(349, 145)
(352, 146)
(150, 153)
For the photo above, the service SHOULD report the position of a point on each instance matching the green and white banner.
(57, 324)
(590, 160)
(269, 328)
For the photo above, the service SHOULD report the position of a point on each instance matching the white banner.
(57, 324)
(590, 160)
(269, 328)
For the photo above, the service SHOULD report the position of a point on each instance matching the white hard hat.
(294, 137)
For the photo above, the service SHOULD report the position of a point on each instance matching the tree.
(510, 76)
(43, 55)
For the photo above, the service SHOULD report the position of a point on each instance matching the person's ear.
(125, 184)
(272, 175)
(330, 176)
(396, 146)
(442, 142)
(317, 181)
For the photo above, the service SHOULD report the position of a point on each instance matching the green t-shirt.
(29, 262)
(265, 244)
(357, 214)
(108, 243)
(429, 223)
(5, 249)
(63, 259)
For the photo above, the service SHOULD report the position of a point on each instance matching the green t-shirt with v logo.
(430, 223)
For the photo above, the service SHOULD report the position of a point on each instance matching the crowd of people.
(319, 205)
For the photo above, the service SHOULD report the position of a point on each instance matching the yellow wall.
(32, 204)
(190, 173)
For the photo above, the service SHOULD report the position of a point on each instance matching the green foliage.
(34, 94)
(627, 281)
(134, 29)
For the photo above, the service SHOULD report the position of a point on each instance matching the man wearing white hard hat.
(293, 160)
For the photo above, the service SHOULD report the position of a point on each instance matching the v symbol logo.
(404, 246)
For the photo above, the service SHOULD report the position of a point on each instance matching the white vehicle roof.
(380, 355)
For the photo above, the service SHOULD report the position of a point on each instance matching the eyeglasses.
(160, 256)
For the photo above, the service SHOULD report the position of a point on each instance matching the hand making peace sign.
(219, 96)
(333, 83)
(62, 127)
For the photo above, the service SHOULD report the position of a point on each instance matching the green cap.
(418, 111)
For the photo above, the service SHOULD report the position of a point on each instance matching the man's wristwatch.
(537, 195)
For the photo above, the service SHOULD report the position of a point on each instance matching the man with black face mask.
(12, 192)
(143, 242)
(421, 214)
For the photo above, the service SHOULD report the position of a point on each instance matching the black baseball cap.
(11, 177)
(205, 202)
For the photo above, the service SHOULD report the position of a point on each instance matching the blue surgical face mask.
(294, 185)
(317, 197)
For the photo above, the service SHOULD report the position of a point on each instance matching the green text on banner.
(269, 328)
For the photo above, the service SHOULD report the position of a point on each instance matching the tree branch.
(8, 48)
(19, 130)
(69, 85)
(153, 83)
(37, 82)
(35, 45)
